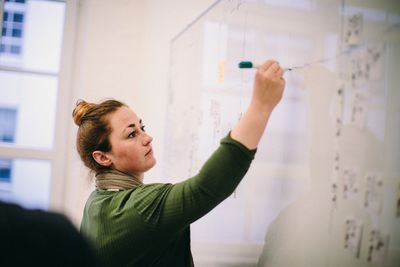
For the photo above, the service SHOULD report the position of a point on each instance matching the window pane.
(16, 33)
(8, 118)
(5, 170)
(18, 17)
(33, 99)
(32, 31)
(15, 49)
(28, 183)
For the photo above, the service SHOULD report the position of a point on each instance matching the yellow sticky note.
(221, 71)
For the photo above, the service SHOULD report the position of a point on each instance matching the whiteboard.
(324, 188)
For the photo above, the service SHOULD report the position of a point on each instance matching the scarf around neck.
(114, 180)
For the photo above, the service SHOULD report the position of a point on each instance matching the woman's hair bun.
(81, 109)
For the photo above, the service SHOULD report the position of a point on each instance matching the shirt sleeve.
(175, 206)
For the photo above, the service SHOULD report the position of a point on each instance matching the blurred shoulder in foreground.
(40, 238)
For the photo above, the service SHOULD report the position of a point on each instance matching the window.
(32, 37)
(7, 124)
(6, 179)
(12, 28)
(16, 1)
(5, 170)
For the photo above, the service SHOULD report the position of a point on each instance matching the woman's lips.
(149, 152)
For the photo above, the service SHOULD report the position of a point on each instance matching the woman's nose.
(146, 139)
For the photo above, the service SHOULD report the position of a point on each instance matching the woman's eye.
(143, 128)
(132, 134)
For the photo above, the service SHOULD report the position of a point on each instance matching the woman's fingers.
(266, 65)
(270, 70)
(274, 70)
(280, 72)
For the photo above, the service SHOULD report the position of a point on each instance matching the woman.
(136, 224)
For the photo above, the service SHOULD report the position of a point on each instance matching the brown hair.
(94, 130)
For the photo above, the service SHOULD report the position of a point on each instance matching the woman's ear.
(101, 158)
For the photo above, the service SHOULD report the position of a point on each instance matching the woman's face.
(131, 150)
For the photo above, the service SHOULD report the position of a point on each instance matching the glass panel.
(27, 27)
(8, 118)
(25, 182)
(31, 104)
(203, 98)
(5, 170)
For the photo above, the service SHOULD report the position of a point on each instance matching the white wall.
(122, 51)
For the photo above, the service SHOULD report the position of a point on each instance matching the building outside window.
(12, 28)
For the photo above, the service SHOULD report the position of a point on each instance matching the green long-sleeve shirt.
(149, 225)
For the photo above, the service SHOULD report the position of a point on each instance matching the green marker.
(251, 65)
(247, 65)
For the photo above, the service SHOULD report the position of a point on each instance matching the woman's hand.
(267, 92)
(268, 86)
